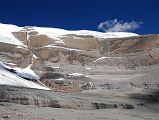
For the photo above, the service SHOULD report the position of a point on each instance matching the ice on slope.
(79, 74)
(56, 33)
(6, 35)
(9, 78)
(104, 58)
(54, 46)
(27, 73)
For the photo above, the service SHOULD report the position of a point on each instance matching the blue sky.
(81, 14)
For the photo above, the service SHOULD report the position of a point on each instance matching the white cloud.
(118, 26)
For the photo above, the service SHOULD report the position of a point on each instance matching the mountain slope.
(55, 54)
(85, 70)
(25, 46)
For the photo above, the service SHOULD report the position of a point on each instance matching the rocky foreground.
(90, 77)
(118, 101)
(115, 96)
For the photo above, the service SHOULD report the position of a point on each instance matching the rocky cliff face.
(80, 49)
(56, 57)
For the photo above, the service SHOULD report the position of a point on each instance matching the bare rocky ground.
(115, 95)
(20, 112)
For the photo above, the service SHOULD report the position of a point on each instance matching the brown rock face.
(130, 52)
(82, 42)
(131, 45)
(41, 50)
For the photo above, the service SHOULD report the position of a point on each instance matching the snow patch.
(60, 79)
(56, 33)
(102, 58)
(34, 56)
(10, 64)
(79, 74)
(88, 68)
(27, 73)
(71, 49)
(6, 35)
(12, 79)
(56, 67)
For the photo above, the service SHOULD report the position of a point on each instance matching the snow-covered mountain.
(19, 37)
(30, 54)
(6, 31)
(84, 70)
